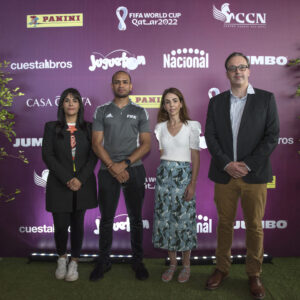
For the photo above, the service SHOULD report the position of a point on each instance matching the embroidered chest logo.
(131, 117)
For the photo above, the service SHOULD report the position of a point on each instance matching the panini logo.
(272, 185)
(146, 101)
(55, 20)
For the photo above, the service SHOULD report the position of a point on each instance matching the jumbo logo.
(266, 224)
(28, 142)
(146, 101)
(55, 20)
(268, 60)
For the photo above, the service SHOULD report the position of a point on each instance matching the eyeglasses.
(241, 68)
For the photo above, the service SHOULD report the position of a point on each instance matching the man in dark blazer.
(242, 129)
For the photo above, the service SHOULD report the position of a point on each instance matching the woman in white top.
(175, 205)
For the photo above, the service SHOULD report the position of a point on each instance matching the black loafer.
(99, 271)
(141, 272)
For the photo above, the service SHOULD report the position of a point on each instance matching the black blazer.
(257, 137)
(56, 152)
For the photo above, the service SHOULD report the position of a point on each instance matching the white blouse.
(178, 147)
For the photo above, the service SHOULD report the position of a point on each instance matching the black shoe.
(141, 272)
(99, 271)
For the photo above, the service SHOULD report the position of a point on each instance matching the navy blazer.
(257, 137)
(56, 152)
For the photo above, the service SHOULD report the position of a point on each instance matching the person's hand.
(74, 184)
(123, 176)
(189, 191)
(117, 168)
(236, 169)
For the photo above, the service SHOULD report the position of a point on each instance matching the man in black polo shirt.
(121, 137)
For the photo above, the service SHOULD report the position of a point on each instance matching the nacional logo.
(121, 223)
(28, 142)
(268, 60)
(186, 59)
(240, 19)
(41, 180)
(266, 224)
(146, 18)
(55, 20)
(204, 224)
(49, 102)
(117, 58)
(46, 64)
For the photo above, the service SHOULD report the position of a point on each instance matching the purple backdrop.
(58, 44)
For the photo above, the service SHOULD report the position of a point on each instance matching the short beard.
(121, 96)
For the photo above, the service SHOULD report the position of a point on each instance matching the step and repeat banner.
(53, 45)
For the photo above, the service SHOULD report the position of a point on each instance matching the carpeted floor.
(20, 280)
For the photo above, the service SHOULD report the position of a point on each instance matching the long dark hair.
(163, 115)
(61, 118)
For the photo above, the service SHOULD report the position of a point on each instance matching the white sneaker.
(61, 270)
(72, 273)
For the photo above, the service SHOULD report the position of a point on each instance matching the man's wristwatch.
(128, 162)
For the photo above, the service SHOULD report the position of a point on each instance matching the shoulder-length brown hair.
(163, 116)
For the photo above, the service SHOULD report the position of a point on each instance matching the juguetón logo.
(126, 60)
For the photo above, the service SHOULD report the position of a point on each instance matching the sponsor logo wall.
(161, 45)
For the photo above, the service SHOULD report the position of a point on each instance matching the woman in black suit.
(71, 184)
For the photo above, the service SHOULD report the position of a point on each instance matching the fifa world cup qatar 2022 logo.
(124, 11)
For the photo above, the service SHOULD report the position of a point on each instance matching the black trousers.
(62, 221)
(109, 193)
